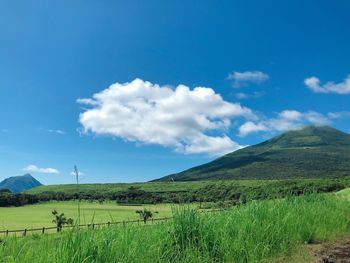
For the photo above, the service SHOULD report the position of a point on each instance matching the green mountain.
(18, 184)
(312, 152)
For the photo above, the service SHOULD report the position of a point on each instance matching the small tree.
(145, 214)
(60, 220)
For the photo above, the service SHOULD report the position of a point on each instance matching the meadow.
(259, 231)
(118, 200)
(39, 215)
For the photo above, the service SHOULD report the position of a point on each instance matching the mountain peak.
(311, 136)
(26, 175)
(316, 129)
(19, 183)
(309, 152)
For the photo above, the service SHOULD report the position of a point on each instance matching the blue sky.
(247, 70)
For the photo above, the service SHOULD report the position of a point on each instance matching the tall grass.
(256, 232)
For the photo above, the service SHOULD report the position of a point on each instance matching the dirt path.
(334, 252)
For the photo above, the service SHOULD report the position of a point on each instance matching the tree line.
(11, 199)
(212, 192)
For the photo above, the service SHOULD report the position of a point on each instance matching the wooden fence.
(43, 230)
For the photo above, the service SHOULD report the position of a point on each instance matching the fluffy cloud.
(314, 84)
(190, 121)
(285, 120)
(251, 127)
(35, 169)
(248, 77)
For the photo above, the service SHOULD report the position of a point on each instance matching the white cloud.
(290, 115)
(339, 114)
(251, 127)
(285, 120)
(179, 118)
(57, 131)
(87, 101)
(212, 145)
(242, 95)
(254, 95)
(312, 117)
(35, 169)
(314, 84)
(248, 77)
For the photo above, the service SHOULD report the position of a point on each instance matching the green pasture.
(39, 215)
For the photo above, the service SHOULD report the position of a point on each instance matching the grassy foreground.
(256, 232)
(344, 193)
(39, 215)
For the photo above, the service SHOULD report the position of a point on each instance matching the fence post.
(89, 226)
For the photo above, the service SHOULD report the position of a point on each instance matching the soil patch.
(334, 252)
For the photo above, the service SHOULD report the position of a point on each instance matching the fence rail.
(43, 230)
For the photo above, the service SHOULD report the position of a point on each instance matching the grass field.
(259, 231)
(344, 193)
(39, 215)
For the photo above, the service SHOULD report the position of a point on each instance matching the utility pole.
(77, 179)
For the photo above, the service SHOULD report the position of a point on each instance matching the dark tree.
(60, 220)
(145, 214)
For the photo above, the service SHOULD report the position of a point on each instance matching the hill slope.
(312, 152)
(18, 184)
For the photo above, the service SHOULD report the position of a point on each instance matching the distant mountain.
(312, 152)
(18, 184)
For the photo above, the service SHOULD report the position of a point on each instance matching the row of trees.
(213, 192)
(9, 199)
